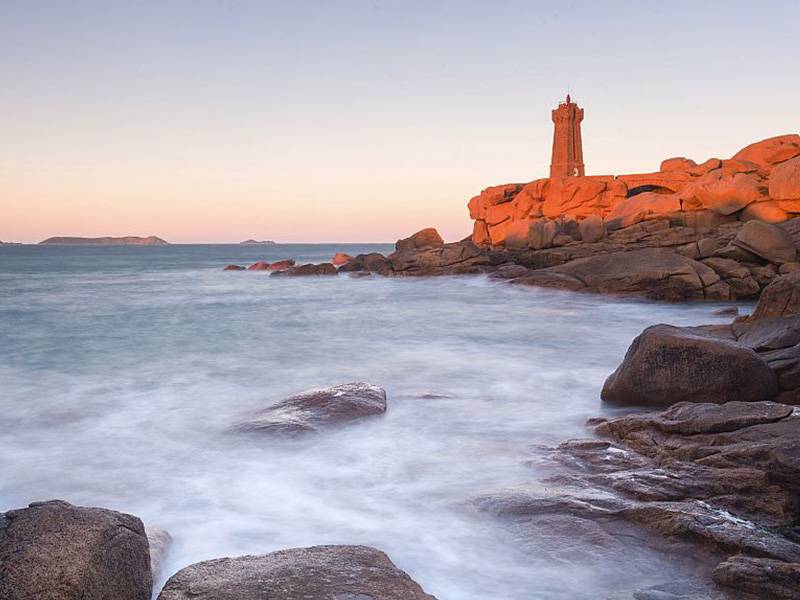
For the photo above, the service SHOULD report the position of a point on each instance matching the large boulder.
(633, 209)
(771, 151)
(316, 573)
(723, 191)
(373, 262)
(56, 551)
(666, 365)
(340, 258)
(651, 273)
(314, 409)
(768, 241)
(780, 298)
(784, 180)
(259, 266)
(421, 239)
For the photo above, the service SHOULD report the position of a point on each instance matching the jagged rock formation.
(714, 484)
(762, 181)
(108, 241)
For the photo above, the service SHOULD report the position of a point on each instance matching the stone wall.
(761, 181)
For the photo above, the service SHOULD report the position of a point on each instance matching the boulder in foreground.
(56, 551)
(313, 409)
(665, 365)
(318, 573)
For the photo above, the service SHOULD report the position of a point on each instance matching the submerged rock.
(313, 409)
(233, 268)
(316, 573)
(307, 270)
(665, 365)
(56, 551)
(259, 266)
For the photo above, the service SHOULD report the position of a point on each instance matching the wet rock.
(509, 271)
(770, 242)
(319, 572)
(258, 266)
(307, 271)
(56, 551)
(233, 268)
(372, 262)
(780, 298)
(280, 265)
(160, 541)
(767, 578)
(314, 409)
(421, 239)
(665, 365)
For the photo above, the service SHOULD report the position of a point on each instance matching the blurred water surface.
(121, 367)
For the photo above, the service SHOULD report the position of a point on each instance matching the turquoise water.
(122, 367)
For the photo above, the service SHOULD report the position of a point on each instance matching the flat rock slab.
(56, 551)
(318, 408)
(318, 573)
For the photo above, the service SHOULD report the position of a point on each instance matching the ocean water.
(121, 369)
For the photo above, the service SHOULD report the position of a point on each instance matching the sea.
(123, 368)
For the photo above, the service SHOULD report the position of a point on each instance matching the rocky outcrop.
(259, 266)
(712, 484)
(459, 258)
(281, 265)
(665, 365)
(760, 182)
(108, 241)
(233, 268)
(306, 270)
(315, 409)
(372, 262)
(421, 239)
(319, 572)
(650, 273)
(56, 551)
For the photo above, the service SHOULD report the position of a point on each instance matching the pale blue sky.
(203, 120)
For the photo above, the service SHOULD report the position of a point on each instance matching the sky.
(359, 121)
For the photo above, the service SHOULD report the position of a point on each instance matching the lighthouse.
(567, 158)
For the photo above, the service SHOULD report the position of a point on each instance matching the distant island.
(2, 243)
(257, 242)
(131, 240)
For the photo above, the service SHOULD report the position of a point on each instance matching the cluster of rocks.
(762, 181)
(56, 551)
(715, 478)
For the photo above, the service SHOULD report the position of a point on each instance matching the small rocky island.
(131, 240)
(251, 241)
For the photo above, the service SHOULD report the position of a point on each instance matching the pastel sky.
(348, 120)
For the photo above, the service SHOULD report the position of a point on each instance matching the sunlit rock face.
(760, 182)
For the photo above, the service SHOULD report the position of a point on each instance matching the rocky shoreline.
(711, 483)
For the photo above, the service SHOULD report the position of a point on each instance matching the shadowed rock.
(318, 573)
(767, 578)
(56, 551)
(665, 365)
(313, 409)
(780, 298)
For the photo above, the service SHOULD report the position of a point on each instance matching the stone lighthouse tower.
(567, 158)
